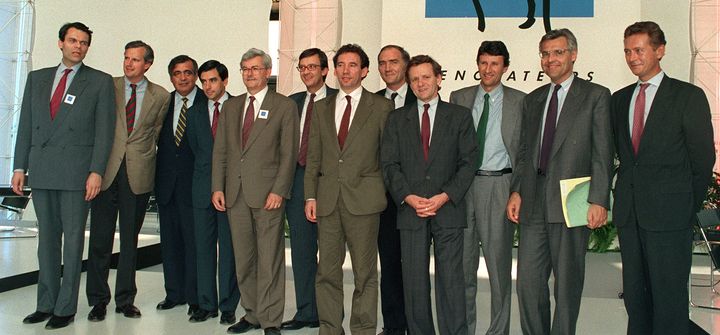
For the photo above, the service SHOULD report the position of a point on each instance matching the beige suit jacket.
(267, 163)
(353, 172)
(140, 147)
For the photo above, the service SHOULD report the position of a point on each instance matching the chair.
(12, 207)
(709, 238)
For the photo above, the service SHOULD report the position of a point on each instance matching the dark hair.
(149, 56)
(405, 55)
(493, 48)
(652, 29)
(316, 52)
(423, 59)
(77, 25)
(213, 64)
(356, 49)
(557, 33)
(181, 59)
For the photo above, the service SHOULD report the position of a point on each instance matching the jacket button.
(340, 161)
(427, 177)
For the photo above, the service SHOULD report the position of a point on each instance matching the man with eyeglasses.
(64, 139)
(254, 159)
(313, 68)
(392, 64)
(565, 134)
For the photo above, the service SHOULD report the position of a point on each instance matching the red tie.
(345, 123)
(639, 118)
(130, 109)
(302, 156)
(58, 94)
(216, 116)
(425, 131)
(248, 121)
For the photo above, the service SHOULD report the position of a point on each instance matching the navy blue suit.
(212, 230)
(173, 192)
(303, 236)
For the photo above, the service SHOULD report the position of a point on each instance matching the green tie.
(482, 129)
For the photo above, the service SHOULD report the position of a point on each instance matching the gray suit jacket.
(583, 146)
(140, 147)
(511, 114)
(267, 163)
(59, 154)
(353, 172)
(450, 167)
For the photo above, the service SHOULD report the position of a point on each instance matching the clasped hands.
(426, 207)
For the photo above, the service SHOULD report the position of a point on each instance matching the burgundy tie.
(425, 131)
(58, 94)
(216, 116)
(549, 130)
(302, 156)
(248, 121)
(130, 109)
(639, 118)
(344, 123)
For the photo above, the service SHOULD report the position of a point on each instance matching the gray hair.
(557, 33)
(253, 52)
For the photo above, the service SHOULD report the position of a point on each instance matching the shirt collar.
(354, 95)
(433, 103)
(565, 85)
(495, 93)
(655, 80)
(259, 96)
(321, 93)
(142, 82)
(74, 68)
(211, 104)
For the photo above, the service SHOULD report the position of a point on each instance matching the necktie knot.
(184, 100)
(393, 96)
(556, 89)
(644, 87)
(487, 96)
(312, 96)
(217, 104)
(252, 99)
(348, 98)
(133, 86)
(67, 72)
(426, 107)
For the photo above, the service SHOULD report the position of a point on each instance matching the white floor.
(602, 312)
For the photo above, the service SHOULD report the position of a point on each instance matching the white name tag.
(69, 99)
(263, 114)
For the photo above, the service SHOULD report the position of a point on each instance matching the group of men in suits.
(391, 172)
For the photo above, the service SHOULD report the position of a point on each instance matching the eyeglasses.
(254, 69)
(309, 67)
(556, 53)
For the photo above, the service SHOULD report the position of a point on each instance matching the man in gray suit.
(140, 109)
(565, 134)
(496, 111)
(64, 139)
(429, 158)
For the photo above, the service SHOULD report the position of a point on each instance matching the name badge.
(263, 114)
(69, 99)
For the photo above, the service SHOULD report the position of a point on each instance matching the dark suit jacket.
(582, 147)
(200, 139)
(450, 167)
(58, 154)
(665, 185)
(410, 98)
(175, 163)
(267, 163)
(139, 148)
(511, 114)
(353, 171)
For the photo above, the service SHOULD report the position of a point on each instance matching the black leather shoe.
(192, 308)
(272, 331)
(201, 315)
(59, 321)
(227, 318)
(129, 311)
(241, 327)
(37, 317)
(168, 304)
(297, 324)
(98, 312)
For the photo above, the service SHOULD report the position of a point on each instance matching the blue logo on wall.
(509, 8)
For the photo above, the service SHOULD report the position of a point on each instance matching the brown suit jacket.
(353, 172)
(267, 163)
(139, 148)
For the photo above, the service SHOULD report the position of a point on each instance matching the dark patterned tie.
(425, 131)
(58, 94)
(549, 130)
(302, 156)
(248, 121)
(344, 123)
(639, 118)
(182, 122)
(130, 109)
(482, 128)
(216, 116)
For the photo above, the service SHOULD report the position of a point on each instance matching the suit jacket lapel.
(567, 116)
(363, 112)
(624, 120)
(438, 131)
(149, 99)
(260, 123)
(658, 109)
(76, 88)
(508, 123)
(535, 117)
(412, 129)
(46, 95)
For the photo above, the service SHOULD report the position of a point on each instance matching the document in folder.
(574, 194)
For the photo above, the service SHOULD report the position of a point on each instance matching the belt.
(493, 173)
